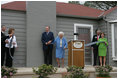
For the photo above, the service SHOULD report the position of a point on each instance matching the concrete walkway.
(26, 72)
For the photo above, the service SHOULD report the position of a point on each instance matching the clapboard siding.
(109, 17)
(17, 19)
(13, 13)
(106, 28)
(13, 22)
(13, 18)
(66, 25)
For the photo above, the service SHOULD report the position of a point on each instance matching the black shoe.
(94, 65)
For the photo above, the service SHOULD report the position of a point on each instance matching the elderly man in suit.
(95, 47)
(47, 40)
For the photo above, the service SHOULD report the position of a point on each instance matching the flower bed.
(103, 71)
(75, 72)
(44, 70)
(7, 72)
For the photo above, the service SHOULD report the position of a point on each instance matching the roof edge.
(109, 11)
(13, 10)
(74, 16)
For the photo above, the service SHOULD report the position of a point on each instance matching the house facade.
(30, 18)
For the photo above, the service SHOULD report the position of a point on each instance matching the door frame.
(84, 26)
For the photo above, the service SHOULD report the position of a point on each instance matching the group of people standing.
(99, 49)
(8, 45)
(48, 41)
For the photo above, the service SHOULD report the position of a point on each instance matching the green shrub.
(44, 70)
(103, 71)
(7, 72)
(75, 72)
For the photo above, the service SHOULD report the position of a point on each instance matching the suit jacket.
(47, 37)
(94, 40)
(3, 38)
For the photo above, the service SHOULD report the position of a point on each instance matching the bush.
(7, 72)
(75, 72)
(44, 70)
(103, 71)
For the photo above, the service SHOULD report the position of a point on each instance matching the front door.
(85, 34)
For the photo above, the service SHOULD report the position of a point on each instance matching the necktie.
(47, 33)
(97, 38)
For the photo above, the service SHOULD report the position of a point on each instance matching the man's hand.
(6, 41)
(49, 42)
(46, 43)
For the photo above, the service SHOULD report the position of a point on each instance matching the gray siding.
(106, 28)
(109, 17)
(112, 15)
(66, 25)
(17, 19)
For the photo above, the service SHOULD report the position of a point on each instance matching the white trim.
(84, 26)
(115, 58)
(113, 21)
(113, 42)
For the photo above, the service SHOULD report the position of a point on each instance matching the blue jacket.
(57, 41)
(45, 38)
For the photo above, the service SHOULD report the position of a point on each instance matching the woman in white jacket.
(11, 44)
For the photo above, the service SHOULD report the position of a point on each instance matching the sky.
(3, 2)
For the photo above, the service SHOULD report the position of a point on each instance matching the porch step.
(26, 72)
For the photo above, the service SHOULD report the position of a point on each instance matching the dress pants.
(2, 55)
(96, 57)
(9, 60)
(48, 56)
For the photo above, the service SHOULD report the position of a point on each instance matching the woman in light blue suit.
(61, 45)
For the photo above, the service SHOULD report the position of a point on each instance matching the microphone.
(76, 34)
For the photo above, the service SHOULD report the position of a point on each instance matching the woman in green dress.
(102, 49)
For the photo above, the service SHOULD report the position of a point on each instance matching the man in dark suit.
(3, 38)
(47, 39)
(95, 47)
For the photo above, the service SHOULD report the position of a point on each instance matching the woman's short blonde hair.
(61, 33)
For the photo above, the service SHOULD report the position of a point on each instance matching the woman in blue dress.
(61, 45)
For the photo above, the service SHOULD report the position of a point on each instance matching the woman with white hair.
(61, 45)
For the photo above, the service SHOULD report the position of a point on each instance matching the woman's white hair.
(61, 33)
